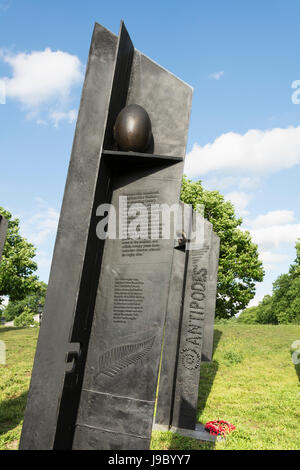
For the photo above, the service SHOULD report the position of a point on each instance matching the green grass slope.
(252, 382)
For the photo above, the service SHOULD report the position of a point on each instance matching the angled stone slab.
(164, 406)
(174, 324)
(96, 366)
(186, 384)
(72, 255)
(208, 335)
(3, 231)
(118, 395)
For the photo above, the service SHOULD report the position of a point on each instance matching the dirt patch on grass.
(13, 445)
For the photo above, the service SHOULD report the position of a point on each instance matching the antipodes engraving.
(191, 359)
(119, 358)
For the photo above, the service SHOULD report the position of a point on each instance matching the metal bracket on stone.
(72, 357)
(180, 243)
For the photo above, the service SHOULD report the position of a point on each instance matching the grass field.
(252, 382)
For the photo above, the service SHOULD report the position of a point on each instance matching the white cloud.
(272, 218)
(224, 182)
(43, 259)
(41, 81)
(41, 122)
(41, 202)
(272, 229)
(40, 76)
(254, 302)
(240, 200)
(41, 226)
(270, 258)
(216, 75)
(273, 236)
(2, 92)
(254, 153)
(58, 116)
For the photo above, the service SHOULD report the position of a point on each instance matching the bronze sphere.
(133, 130)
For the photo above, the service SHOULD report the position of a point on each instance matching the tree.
(248, 316)
(286, 293)
(25, 319)
(239, 265)
(34, 302)
(17, 266)
(283, 306)
(265, 312)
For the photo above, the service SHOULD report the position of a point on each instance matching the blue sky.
(241, 59)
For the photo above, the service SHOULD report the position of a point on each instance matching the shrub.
(233, 357)
(25, 319)
(248, 316)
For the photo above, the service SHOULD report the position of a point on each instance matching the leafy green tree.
(34, 302)
(248, 316)
(286, 293)
(25, 319)
(239, 266)
(283, 306)
(265, 312)
(17, 266)
(280, 297)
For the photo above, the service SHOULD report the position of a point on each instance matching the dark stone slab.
(118, 412)
(89, 438)
(164, 406)
(3, 231)
(168, 102)
(191, 335)
(184, 334)
(93, 259)
(96, 366)
(126, 338)
(116, 330)
(74, 254)
(208, 337)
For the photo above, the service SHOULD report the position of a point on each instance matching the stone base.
(160, 427)
(199, 433)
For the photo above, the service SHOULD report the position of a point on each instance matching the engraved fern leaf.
(117, 359)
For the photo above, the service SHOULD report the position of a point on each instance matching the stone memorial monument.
(3, 231)
(188, 337)
(213, 265)
(95, 372)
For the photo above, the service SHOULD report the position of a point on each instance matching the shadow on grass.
(207, 376)
(217, 337)
(5, 329)
(12, 412)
